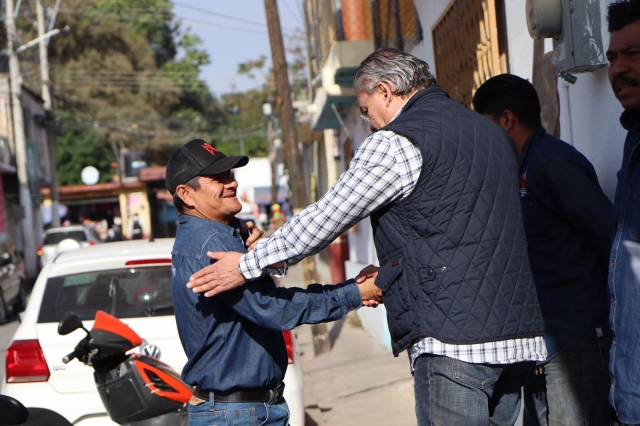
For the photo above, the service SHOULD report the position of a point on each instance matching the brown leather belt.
(243, 395)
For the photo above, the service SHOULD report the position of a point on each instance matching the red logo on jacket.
(523, 185)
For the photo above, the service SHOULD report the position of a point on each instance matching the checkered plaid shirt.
(385, 168)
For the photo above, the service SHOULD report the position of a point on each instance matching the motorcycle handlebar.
(68, 358)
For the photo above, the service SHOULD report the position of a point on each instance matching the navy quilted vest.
(453, 254)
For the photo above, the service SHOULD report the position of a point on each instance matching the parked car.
(13, 284)
(130, 280)
(84, 235)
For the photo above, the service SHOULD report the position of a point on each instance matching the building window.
(469, 43)
(396, 24)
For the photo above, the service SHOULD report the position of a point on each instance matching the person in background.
(567, 220)
(624, 289)
(136, 228)
(287, 209)
(277, 217)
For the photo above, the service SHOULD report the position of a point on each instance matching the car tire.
(3, 311)
(21, 302)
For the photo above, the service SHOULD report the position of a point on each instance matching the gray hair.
(403, 72)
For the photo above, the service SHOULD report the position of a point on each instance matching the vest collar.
(429, 92)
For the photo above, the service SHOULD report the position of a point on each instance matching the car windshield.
(124, 293)
(56, 237)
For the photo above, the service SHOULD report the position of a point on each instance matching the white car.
(80, 281)
(84, 235)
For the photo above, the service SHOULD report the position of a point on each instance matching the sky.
(238, 36)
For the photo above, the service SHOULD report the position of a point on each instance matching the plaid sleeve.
(380, 172)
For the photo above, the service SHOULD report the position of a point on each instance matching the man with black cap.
(235, 348)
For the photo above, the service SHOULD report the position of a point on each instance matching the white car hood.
(160, 331)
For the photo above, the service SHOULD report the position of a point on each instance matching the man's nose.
(620, 66)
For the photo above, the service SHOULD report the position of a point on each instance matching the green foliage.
(77, 148)
(127, 73)
(244, 122)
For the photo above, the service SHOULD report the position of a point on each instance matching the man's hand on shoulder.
(220, 277)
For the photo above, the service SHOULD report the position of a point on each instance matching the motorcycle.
(136, 390)
(13, 413)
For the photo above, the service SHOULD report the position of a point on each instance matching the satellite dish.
(90, 175)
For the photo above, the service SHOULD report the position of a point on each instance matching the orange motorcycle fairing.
(161, 380)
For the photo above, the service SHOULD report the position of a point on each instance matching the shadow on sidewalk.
(308, 421)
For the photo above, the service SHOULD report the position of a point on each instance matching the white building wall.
(588, 110)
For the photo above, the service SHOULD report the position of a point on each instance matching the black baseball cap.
(198, 158)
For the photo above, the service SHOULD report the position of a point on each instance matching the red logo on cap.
(209, 148)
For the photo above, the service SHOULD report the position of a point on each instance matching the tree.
(77, 148)
(127, 74)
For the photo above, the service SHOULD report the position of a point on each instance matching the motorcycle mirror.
(69, 323)
(13, 412)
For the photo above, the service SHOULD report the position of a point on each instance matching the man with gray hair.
(440, 184)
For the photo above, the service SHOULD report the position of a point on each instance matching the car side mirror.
(69, 323)
(13, 412)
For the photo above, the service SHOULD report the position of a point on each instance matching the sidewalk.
(358, 382)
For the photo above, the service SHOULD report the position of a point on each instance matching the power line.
(129, 16)
(132, 72)
(290, 10)
(221, 15)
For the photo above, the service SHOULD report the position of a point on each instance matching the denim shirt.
(567, 220)
(234, 340)
(624, 288)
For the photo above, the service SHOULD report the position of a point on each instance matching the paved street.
(358, 381)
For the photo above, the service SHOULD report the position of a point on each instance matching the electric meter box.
(578, 43)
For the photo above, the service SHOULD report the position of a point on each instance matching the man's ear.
(184, 192)
(508, 120)
(385, 91)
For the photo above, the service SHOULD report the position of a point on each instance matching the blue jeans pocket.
(477, 375)
(200, 415)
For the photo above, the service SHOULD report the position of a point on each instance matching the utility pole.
(44, 58)
(20, 145)
(321, 341)
(46, 96)
(241, 140)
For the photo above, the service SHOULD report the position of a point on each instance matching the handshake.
(371, 294)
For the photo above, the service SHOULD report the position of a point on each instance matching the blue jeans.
(209, 413)
(452, 392)
(572, 388)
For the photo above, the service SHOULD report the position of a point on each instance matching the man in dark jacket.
(567, 220)
(440, 184)
(624, 289)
